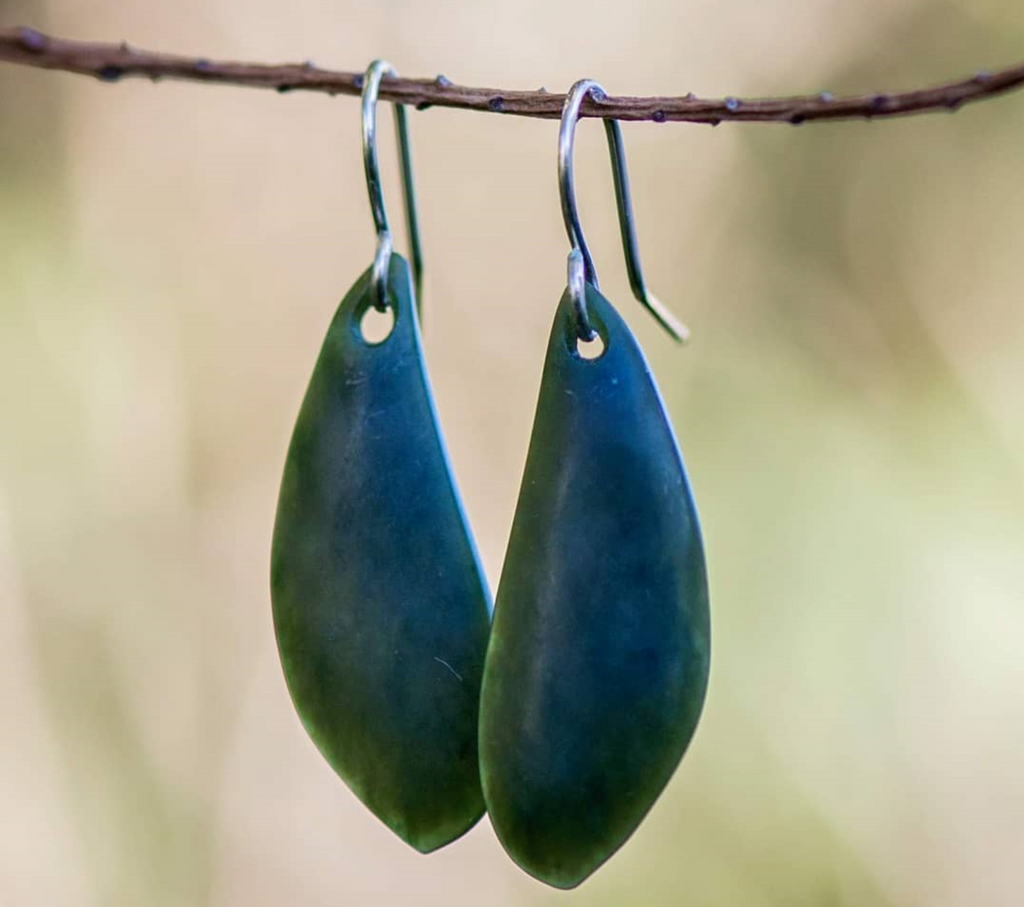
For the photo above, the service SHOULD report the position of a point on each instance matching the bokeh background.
(851, 410)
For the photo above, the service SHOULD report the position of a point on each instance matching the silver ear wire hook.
(385, 245)
(580, 259)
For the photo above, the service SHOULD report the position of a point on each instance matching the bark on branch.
(112, 62)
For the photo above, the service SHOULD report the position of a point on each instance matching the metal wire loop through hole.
(371, 165)
(583, 271)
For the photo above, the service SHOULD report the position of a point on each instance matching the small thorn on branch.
(31, 40)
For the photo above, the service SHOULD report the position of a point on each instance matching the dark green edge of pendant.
(398, 263)
(456, 494)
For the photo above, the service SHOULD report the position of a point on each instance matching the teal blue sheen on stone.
(598, 660)
(380, 607)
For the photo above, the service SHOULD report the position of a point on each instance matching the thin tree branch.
(112, 62)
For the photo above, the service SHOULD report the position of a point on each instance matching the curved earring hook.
(581, 262)
(385, 245)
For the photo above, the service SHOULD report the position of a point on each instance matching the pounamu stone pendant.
(598, 659)
(380, 607)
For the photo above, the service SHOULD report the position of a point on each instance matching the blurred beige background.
(851, 409)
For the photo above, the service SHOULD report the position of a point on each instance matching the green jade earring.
(380, 606)
(598, 659)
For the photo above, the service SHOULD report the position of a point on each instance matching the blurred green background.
(850, 410)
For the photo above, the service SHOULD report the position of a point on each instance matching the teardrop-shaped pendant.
(599, 652)
(380, 606)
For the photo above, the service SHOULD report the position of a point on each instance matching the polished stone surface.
(598, 661)
(380, 606)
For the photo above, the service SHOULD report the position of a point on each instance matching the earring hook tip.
(663, 315)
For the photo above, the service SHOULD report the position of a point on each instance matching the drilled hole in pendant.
(590, 349)
(376, 326)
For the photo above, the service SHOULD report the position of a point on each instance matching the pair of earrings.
(566, 717)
